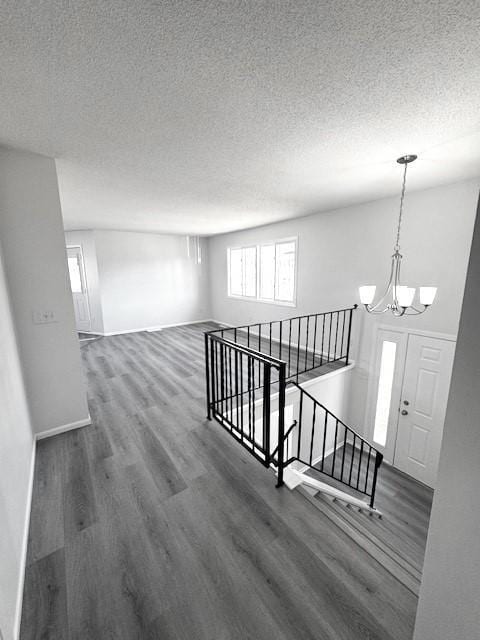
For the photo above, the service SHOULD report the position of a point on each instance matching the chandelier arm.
(398, 260)
(416, 312)
(374, 312)
(373, 308)
(381, 301)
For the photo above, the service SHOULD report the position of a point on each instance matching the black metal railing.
(325, 443)
(247, 371)
(239, 393)
(304, 343)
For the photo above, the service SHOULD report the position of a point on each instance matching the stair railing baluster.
(345, 430)
(281, 423)
(300, 416)
(335, 448)
(312, 437)
(352, 459)
(306, 343)
(325, 429)
(360, 463)
(207, 376)
(378, 462)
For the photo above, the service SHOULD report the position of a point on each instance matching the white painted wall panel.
(31, 234)
(450, 591)
(16, 459)
(148, 280)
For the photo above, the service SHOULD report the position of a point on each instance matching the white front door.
(423, 403)
(78, 285)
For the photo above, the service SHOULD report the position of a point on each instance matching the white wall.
(333, 391)
(16, 462)
(86, 240)
(147, 280)
(31, 234)
(449, 605)
(339, 250)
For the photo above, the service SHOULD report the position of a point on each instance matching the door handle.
(404, 412)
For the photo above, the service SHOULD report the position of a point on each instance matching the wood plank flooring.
(152, 523)
(400, 536)
(404, 503)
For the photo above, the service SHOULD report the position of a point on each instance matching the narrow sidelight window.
(385, 387)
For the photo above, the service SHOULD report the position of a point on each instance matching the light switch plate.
(45, 316)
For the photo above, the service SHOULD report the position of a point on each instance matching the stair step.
(346, 519)
(380, 532)
(399, 526)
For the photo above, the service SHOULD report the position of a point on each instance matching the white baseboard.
(223, 324)
(23, 555)
(154, 328)
(64, 427)
(178, 324)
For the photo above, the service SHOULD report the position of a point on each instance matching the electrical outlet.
(46, 316)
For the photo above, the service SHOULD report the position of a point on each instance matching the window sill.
(276, 303)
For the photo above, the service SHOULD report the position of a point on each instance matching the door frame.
(85, 282)
(389, 449)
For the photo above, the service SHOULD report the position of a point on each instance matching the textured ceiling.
(207, 116)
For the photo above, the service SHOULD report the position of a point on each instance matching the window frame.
(258, 248)
(81, 269)
(242, 248)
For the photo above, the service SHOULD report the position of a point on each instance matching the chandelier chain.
(397, 243)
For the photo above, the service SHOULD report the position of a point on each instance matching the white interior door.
(78, 283)
(423, 403)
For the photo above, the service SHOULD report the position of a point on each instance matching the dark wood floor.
(153, 523)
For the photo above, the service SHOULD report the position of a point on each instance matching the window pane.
(385, 384)
(285, 271)
(75, 277)
(250, 271)
(267, 272)
(236, 272)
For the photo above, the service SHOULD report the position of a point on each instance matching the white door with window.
(409, 400)
(78, 283)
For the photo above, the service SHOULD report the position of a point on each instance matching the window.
(265, 272)
(384, 396)
(243, 272)
(75, 275)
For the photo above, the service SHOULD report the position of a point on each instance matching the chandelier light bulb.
(427, 295)
(405, 295)
(367, 293)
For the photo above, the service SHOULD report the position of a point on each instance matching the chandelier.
(397, 298)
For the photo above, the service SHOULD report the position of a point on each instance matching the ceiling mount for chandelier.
(397, 298)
